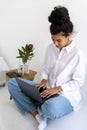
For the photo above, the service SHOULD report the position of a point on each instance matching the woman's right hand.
(42, 84)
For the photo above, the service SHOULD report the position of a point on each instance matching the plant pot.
(23, 68)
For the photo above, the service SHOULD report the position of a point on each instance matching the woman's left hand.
(50, 92)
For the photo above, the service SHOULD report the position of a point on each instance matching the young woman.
(63, 74)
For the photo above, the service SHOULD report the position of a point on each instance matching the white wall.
(26, 21)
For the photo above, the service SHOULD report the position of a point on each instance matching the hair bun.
(59, 15)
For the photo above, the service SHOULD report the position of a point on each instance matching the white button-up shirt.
(65, 68)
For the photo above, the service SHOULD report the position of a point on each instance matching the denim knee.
(9, 84)
(56, 107)
(48, 110)
(12, 85)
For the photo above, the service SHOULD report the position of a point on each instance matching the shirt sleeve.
(45, 68)
(78, 76)
(44, 75)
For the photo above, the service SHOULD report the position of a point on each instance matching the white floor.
(11, 119)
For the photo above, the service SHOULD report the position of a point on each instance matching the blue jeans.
(52, 108)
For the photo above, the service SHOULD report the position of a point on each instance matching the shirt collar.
(67, 48)
(70, 46)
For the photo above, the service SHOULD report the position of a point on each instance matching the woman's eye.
(58, 40)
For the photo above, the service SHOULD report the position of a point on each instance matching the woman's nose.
(56, 43)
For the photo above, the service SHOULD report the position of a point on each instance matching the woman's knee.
(12, 84)
(52, 110)
(49, 110)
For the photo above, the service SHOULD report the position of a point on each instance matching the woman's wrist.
(59, 89)
(44, 82)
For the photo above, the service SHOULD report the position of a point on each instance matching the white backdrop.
(26, 21)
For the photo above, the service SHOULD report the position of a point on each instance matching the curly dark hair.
(60, 21)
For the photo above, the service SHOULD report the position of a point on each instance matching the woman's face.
(60, 40)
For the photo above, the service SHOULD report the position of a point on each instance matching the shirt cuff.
(44, 76)
(65, 87)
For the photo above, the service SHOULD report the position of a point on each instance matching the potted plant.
(26, 53)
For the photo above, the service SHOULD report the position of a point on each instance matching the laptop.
(32, 91)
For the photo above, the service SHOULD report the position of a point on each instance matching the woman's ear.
(69, 35)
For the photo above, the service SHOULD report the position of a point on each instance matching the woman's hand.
(50, 92)
(42, 84)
